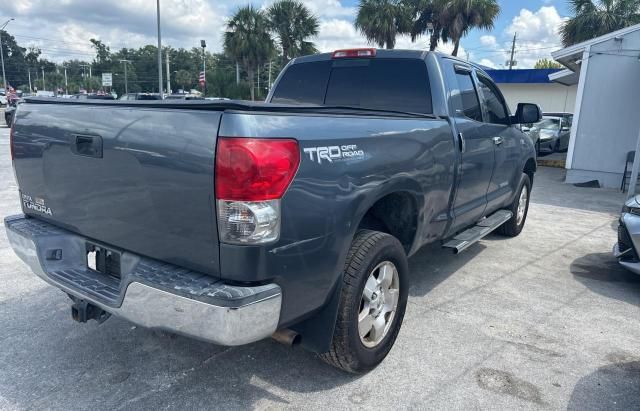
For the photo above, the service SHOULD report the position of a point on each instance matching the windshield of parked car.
(378, 84)
(548, 123)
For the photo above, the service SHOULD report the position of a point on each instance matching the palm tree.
(293, 23)
(382, 20)
(595, 18)
(427, 18)
(248, 42)
(458, 17)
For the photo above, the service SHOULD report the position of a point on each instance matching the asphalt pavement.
(547, 320)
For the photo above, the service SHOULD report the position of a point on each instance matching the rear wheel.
(519, 208)
(372, 303)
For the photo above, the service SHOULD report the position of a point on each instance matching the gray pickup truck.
(233, 221)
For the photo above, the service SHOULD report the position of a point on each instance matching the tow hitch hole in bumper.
(83, 311)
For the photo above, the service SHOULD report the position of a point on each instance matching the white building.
(534, 86)
(607, 114)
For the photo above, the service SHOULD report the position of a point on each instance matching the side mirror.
(566, 128)
(527, 113)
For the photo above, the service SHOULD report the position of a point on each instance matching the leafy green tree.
(427, 19)
(293, 24)
(248, 42)
(450, 20)
(382, 20)
(594, 18)
(547, 64)
(185, 79)
(461, 16)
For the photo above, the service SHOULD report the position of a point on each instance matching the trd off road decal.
(334, 153)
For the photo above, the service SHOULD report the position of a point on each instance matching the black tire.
(512, 228)
(368, 250)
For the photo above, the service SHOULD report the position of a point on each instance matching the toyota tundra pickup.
(233, 221)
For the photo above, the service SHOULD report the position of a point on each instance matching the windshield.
(552, 124)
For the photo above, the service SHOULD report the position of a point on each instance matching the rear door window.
(381, 84)
(468, 96)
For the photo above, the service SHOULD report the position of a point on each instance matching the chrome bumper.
(150, 293)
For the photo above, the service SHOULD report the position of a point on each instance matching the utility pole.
(166, 55)
(126, 82)
(4, 76)
(29, 73)
(269, 75)
(513, 51)
(66, 84)
(159, 52)
(90, 71)
(237, 73)
(44, 88)
(84, 70)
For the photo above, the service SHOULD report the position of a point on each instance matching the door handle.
(461, 144)
(497, 140)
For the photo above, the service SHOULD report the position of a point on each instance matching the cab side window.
(468, 96)
(494, 103)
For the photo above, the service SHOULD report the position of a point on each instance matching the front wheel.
(519, 208)
(372, 302)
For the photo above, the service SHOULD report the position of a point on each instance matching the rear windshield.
(381, 84)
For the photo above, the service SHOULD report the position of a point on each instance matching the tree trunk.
(455, 48)
(433, 41)
(252, 76)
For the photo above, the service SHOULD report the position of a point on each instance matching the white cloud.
(488, 40)
(488, 63)
(537, 36)
(537, 33)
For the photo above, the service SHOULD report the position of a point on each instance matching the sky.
(62, 28)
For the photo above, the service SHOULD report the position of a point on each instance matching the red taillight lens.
(254, 169)
(353, 53)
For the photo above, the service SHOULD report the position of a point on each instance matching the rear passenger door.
(475, 146)
(506, 141)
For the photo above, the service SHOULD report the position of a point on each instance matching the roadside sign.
(107, 80)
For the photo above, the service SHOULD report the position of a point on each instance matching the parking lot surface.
(547, 320)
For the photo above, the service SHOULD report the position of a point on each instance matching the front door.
(507, 142)
(475, 146)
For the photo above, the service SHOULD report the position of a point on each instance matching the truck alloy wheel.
(519, 208)
(522, 205)
(373, 300)
(379, 303)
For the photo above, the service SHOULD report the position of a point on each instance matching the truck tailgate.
(138, 179)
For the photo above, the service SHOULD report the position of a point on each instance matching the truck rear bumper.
(149, 293)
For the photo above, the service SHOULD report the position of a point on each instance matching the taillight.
(251, 176)
(354, 53)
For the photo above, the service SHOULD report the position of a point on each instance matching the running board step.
(474, 234)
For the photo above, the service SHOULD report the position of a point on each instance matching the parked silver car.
(625, 250)
(552, 133)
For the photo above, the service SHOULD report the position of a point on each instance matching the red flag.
(202, 80)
